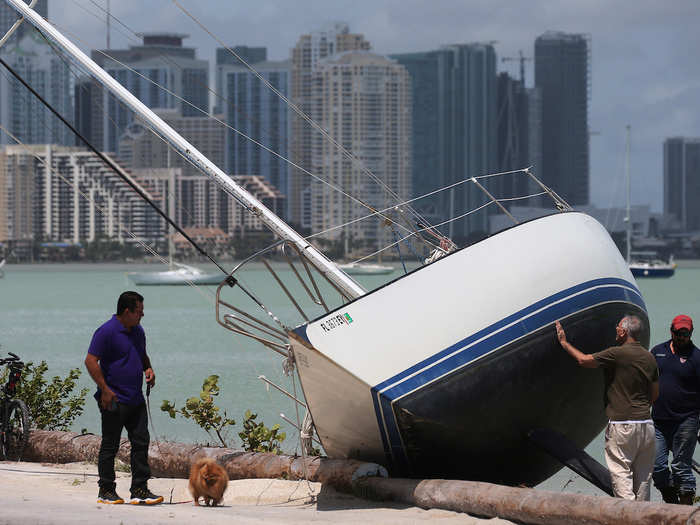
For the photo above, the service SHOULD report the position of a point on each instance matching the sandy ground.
(35, 493)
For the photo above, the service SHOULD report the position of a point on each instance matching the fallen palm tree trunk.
(173, 460)
(524, 505)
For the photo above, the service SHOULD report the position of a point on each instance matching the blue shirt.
(679, 383)
(121, 353)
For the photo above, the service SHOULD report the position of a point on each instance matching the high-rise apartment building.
(454, 131)
(224, 58)
(44, 198)
(260, 118)
(519, 134)
(425, 88)
(562, 73)
(363, 100)
(682, 181)
(151, 72)
(310, 49)
(8, 17)
(467, 130)
(21, 113)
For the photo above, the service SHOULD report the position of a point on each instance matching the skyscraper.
(423, 70)
(310, 49)
(21, 113)
(224, 58)
(255, 110)
(467, 130)
(519, 133)
(682, 181)
(562, 73)
(454, 130)
(363, 100)
(160, 61)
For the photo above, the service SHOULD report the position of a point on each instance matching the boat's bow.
(444, 372)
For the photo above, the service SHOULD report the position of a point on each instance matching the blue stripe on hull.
(498, 335)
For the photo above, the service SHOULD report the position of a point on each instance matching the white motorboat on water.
(183, 274)
(451, 370)
(366, 269)
(648, 264)
(2, 272)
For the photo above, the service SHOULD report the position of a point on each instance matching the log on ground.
(173, 460)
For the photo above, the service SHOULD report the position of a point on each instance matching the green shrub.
(52, 405)
(203, 410)
(256, 437)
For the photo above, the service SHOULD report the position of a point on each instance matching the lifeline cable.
(111, 164)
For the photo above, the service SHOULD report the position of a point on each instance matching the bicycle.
(15, 415)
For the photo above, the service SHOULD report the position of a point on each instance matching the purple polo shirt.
(120, 353)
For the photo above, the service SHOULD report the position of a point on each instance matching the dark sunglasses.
(681, 333)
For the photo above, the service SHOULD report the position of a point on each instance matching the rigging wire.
(425, 195)
(258, 143)
(112, 165)
(242, 134)
(272, 132)
(75, 186)
(306, 118)
(70, 66)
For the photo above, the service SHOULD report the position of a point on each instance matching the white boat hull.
(181, 276)
(366, 269)
(443, 372)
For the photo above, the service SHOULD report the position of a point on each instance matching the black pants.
(135, 420)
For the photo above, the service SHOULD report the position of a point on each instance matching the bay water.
(50, 311)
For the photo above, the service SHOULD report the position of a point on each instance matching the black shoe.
(109, 497)
(686, 498)
(669, 494)
(143, 496)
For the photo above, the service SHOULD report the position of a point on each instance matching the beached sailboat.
(642, 264)
(453, 369)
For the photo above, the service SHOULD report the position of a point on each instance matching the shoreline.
(44, 493)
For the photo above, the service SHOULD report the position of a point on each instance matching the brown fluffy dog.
(208, 480)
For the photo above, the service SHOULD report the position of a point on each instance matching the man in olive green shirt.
(631, 387)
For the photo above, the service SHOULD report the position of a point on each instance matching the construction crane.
(521, 58)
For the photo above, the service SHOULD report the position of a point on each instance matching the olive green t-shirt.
(630, 370)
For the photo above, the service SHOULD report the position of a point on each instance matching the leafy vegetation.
(203, 410)
(256, 437)
(52, 404)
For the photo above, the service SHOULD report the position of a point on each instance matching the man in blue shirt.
(117, 362)
(675, 413)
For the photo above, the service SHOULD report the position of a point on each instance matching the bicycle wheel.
(17, 430)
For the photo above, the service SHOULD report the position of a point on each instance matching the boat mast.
(171, 212)
(277, 225)
(628, 219)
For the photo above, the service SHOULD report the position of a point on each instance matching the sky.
(644, 65)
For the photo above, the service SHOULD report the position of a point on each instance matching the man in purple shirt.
(117, 362)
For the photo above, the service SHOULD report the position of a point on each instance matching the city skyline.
(640, 74)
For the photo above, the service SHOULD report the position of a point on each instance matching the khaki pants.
(629, 452)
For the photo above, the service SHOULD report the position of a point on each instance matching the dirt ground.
(35, 493)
